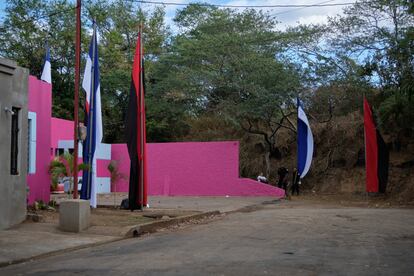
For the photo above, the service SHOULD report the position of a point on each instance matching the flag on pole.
(94, 133)
(47, 70)
(305, 142)
(136, 133)
(376, 154)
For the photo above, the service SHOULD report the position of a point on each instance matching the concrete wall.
(40, 104)
(13, 83)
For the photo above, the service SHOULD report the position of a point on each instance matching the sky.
(286, 16)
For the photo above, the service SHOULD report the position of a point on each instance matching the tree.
(119, 23)
(368, 50)
(379, 35)
(28, 24)
(224, 63)
(27, 27)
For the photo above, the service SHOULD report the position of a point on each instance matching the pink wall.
(40, 102)
(119, 153)
(193, 169)
(61, 130)
(175, 169)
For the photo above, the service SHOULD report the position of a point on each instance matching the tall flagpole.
(91, 111)
(76, 100)
(142, 107)
(141, 129)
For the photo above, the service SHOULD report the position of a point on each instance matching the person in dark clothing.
(282, 172)
(295, 182)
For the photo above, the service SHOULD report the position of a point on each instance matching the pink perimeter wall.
(192, 169)
(40, 102)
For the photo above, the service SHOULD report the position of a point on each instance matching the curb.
(130, 232)
(151, 227)
(253, 207)
(59, 251)
(138, 230)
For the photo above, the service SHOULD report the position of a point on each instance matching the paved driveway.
(304, 240)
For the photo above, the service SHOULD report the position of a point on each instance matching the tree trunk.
(267, 161)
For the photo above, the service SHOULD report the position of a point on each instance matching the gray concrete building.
(13, 142)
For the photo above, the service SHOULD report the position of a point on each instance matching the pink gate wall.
(192, 169)
(40, 102)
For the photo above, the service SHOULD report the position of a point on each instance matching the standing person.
(282, 172)
(295, 182)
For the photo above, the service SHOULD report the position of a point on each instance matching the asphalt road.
(304, 240)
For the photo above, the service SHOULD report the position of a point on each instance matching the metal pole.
(91, 110)
(76, 100)
(141, 88)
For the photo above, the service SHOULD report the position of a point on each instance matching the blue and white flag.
(94, 134)
(305, 142)
(47, 70)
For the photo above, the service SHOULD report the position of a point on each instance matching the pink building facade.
(40, 114)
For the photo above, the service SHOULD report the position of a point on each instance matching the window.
(14, 152)
(31, 142)
(28, 144)
(59, 151)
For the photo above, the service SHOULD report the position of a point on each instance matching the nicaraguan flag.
(47, 70)
(94, 133)
(305, 142)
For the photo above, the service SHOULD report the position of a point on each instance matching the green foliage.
(40, 205)
(368, 50)
(396, 111)
(225, 74)
(224, 63)
(63, 166)
(118, 24)
(29, 23)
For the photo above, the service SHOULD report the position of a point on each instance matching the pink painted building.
(40, 113)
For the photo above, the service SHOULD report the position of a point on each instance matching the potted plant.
(61, 171)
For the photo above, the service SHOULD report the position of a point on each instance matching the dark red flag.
(136, 133)
(376, 154)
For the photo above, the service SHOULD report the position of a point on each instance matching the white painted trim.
(32, 142)
(102, 152)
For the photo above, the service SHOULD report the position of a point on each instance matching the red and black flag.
(376, 154)
(136, 133)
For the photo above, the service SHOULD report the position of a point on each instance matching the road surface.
(276, 240)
